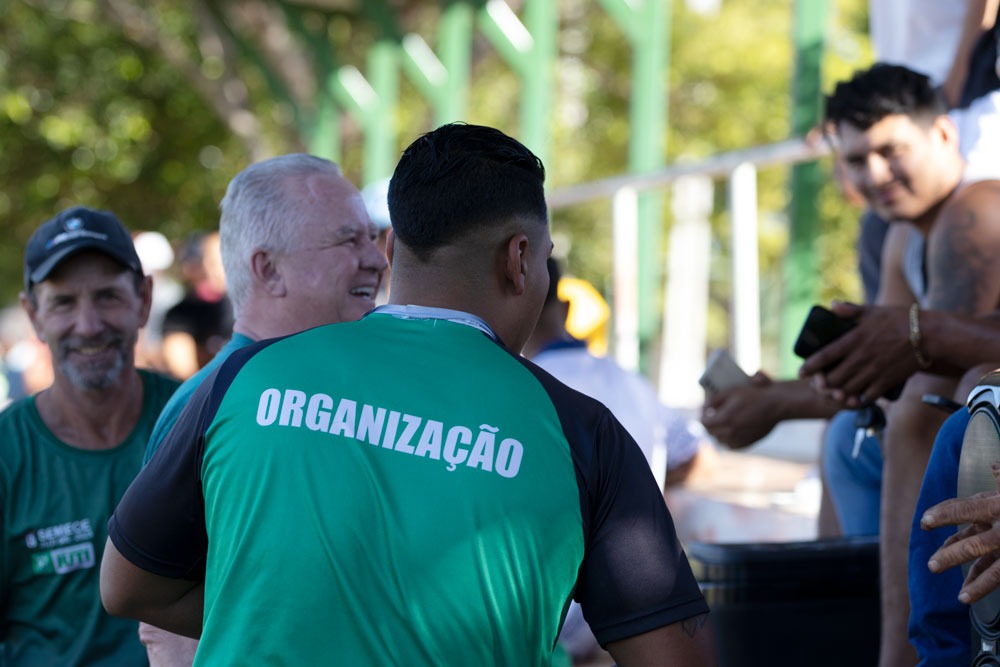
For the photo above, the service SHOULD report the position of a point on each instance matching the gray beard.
(93, 376)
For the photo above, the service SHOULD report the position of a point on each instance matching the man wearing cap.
(69, 452)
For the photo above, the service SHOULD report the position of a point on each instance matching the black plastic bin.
(792, 603)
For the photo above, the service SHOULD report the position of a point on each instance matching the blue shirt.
(180, 398)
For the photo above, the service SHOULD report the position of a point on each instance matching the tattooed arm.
(689, 642)
(960, 327)
(963, 275)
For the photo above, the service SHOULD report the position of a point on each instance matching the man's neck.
(92, 418)
(925, 222)
(547, 331)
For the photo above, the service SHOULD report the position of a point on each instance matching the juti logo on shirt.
(62, 561)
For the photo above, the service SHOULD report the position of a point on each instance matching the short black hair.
(460, 178)
(883, 90)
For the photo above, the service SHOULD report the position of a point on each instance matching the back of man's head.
(880, 91)
(262, 207)
(459, 180)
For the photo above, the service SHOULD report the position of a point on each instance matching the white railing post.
(625, 232)
(685, 305)
(746, 270)
(740, 167)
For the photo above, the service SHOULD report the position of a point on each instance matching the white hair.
(259, 211)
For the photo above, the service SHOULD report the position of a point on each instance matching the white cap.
(154, 251)
(376, 197)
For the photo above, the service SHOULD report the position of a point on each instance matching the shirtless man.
(902, 153)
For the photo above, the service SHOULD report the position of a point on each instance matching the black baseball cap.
(75, 229)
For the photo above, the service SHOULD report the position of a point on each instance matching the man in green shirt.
(407, 489)
(68, 453)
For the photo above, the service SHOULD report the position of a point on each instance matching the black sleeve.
(159, 525)
(635, 576)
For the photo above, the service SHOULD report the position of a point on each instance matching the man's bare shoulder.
(973, 212)
(963, 251)
(980, 196)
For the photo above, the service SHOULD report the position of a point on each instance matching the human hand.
(740, 416)
(867, 361)
(979, 541)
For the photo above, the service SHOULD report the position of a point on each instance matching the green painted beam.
(373, 98)
(800, 278)
(646, 25)
(542, 21)
(380, 126)
(647, 151)
(455, 44)
(530, 49)
(622, 13)
(500, 25)
(444, 80)
(322, 127)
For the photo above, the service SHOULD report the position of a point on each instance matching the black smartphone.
(821, 328)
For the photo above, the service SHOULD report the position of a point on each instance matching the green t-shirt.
(402, 490)
(55, 501)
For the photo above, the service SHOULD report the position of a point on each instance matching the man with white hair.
(298, 248)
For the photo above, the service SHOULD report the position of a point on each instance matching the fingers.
(983, 579)
(967, 532)
(853, 371)
(725, 418)
(859, 362)
(818, 361)
(981, 565)
(847, 309)
(843, 364)
(833, 352)
(818, 384)
(980, 508)
(877, 388)
(718, 429)
(964, 549)
(712, 401)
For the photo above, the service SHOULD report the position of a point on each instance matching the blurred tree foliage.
(148, 108)
(88, 117)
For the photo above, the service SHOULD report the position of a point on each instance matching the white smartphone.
(722, 372)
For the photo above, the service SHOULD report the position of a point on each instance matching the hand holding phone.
(821, 328)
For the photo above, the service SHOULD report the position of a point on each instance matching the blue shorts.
(854, 483)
